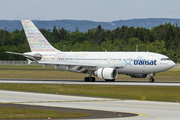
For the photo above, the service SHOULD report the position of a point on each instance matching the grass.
(28, 113)
(50, 73)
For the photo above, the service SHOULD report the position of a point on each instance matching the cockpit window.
(163, 59)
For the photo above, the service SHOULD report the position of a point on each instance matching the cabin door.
(108, 60)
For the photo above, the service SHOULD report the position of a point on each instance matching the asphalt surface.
(95, 114)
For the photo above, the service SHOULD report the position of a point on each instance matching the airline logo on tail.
(37, 41)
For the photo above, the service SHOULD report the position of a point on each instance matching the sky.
(94, 10)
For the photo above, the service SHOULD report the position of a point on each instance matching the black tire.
(151, 79)
(92, 79)
(89, 79)
(86, 79)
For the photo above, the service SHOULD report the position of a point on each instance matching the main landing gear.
(89, 79)
(151, 79)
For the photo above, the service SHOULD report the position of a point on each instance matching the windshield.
(163, 59)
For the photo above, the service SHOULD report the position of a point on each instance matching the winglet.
(36, 40)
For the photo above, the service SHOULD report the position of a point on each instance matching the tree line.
(164, 39)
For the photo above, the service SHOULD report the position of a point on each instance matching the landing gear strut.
(151, 79)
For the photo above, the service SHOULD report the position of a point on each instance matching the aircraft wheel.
(86, 79)
(151, 79)
(91, 79)
(94, 79)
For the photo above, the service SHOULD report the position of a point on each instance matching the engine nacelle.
(138, 75)
(106, 73)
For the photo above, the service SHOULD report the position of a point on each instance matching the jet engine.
(138, 75)
(106, 73)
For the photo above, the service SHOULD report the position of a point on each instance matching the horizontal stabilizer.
(33, 57)
(15, 53)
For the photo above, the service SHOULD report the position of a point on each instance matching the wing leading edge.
(85, 65)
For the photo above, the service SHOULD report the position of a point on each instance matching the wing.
(78, 67)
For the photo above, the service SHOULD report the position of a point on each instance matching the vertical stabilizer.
(36, 40)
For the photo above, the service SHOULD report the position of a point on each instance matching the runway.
(81, 82)
(146, 110)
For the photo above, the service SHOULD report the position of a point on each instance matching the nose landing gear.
(151, 79)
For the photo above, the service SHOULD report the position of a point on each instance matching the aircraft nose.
(172, 64)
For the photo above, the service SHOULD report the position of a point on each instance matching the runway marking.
(60, 101)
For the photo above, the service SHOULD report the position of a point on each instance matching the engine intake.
(106, 73)
(138, 75)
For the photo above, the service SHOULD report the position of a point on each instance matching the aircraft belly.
(137, 69)
(151, 69)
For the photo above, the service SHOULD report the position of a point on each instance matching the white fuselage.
(130, 62)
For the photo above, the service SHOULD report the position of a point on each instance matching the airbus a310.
(105, 65)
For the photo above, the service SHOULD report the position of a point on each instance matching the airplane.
(104, 65)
